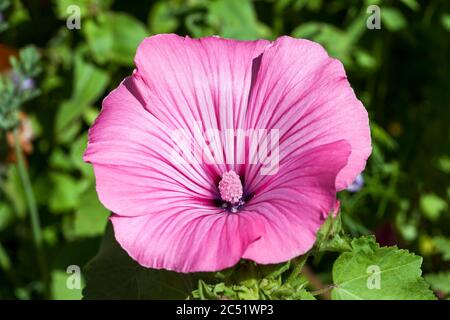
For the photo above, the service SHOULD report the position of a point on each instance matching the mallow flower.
(242, 199)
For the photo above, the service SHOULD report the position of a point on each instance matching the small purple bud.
(22, 84)
(357, 184)
(1, 17)
(27, 84)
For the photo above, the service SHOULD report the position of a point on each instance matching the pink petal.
(305, 94)
(204, 81)
(187, 239)
(130, 151)
(295, 202)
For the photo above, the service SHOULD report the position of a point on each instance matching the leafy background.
(401, 73)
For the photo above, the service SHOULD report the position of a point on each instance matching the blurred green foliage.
(400, 72)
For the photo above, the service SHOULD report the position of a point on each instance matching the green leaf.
(331, 237)
(76, 156)
(274, 270)
(412, 4)
(308, 30)
(445, 20)
(248, 281)
(303, 294)
(356, 274)
(5, 261)
(432, 206)
(236, 19)
(67, 112)
(67, 135)
(112, 274)
(313, 5)
(439, 281)
(382, 137)
(60, 160)
(392, 18)
(19, 13)
(407, 223)
(13, 191)
(6, 215)
(196, 26)
(60, 291)
(51, 235)
(234, 291)
(364, 59)
(65, 192)
(87, 7)
(335, 40)
(90, 216)
(443, 247)
(89, 84)
(90, 114)
(114, 37)
(205, 291)
(162, 18)
(444, 164)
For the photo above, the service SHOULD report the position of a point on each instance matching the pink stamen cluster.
(230, 187)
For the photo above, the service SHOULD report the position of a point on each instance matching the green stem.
(5, 262)
(34, 214)
(323, 290)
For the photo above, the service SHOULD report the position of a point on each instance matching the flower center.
(230, 188)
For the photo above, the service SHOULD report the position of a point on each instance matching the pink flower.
(203, 216)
